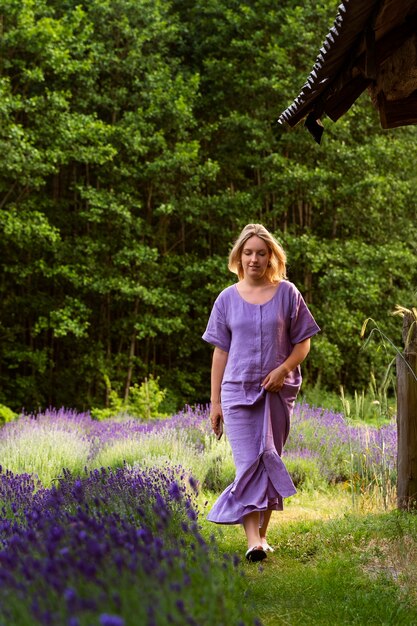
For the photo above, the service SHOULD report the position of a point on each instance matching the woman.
(260, 329)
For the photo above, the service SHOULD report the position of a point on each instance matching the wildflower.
(180, 606)
(193, 484)
(111, 620)
(191, 514)
(174, 491)
(69, 594)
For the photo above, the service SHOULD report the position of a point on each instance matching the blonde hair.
(276, 270)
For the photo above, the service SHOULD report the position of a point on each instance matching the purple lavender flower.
(70, 557)
(174, 491)
(111, 620)
(335, 442)
(74, 548)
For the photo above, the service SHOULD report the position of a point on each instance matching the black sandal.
(257, 553)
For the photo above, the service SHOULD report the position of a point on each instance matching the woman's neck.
(250, 283)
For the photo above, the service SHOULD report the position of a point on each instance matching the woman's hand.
(216, 418)
(275, 379)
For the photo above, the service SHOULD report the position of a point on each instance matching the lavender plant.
(111, 547)
(122, 545)
(45, 445)
(323, 448)
(362, 456)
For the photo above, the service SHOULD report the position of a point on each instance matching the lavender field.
(101, 520)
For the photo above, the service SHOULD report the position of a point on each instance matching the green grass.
(373, 405)
(331, 565)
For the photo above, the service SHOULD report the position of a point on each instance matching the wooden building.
(372, 45)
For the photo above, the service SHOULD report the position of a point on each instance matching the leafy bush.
(143, 402)
(6, 414)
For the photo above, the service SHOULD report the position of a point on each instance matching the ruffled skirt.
(257, 426)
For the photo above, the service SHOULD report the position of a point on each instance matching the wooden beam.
(407, 418)
(395, 113)
(338, 103)
(389, 43)
(346, 88)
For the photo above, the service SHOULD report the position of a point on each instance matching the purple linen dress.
(258, 338)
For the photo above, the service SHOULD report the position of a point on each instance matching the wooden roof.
(372, 44)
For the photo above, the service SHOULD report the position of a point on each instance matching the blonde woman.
(260, 328)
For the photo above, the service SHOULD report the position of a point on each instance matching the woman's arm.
(217, 370)
(275, 379)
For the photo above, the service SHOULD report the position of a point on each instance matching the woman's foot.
(256, 553)
(266, 545)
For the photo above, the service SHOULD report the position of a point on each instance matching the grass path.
(332, 565)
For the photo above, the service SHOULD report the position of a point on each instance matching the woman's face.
(254, 258)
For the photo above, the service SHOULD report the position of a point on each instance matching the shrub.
(219, 470)
(113, 547)
(42, 447)
(304, 467)
(6, 414)
(144, 402)
(355, 453)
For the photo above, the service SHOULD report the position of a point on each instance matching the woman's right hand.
(216, 418)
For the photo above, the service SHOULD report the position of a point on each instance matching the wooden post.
(407, 419)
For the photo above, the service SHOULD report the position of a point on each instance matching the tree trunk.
(131, 352)
(407, 418)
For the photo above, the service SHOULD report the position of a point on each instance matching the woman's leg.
(256, 552)
(262, 532)
(251, 526)
(264, 527)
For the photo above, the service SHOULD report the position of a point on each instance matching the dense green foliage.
(136, 139)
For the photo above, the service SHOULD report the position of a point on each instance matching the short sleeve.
(217, 332)
(302, 323)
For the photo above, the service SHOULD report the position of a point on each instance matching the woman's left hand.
(275, 379)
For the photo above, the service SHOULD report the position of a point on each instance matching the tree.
(136, 139)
